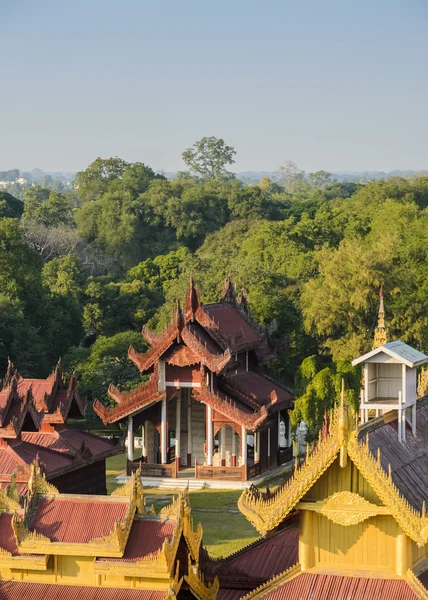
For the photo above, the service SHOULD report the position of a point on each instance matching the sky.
(336, 85)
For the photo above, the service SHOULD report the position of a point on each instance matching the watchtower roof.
(397, 350)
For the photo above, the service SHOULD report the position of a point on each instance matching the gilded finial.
(380, 337)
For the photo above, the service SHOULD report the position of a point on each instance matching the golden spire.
(380, 331)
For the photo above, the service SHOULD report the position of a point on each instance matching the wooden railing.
(285, 455)
(152, 470)
(253, 470)
(226, 473)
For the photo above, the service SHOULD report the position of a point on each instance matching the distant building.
(33, 423)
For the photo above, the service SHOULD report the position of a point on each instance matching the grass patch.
(225, 529)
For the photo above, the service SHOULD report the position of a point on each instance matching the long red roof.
(76, 521)
(231, 321)
(329, 587)
(18, 590)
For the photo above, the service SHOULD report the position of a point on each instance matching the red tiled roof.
(259, 387)
(46, 439)
(51, 460)
(231, 321)
(327, 587)
(9, 461)
(75, 438)
(39, 387)
(269, 557)
(7, 536)
(18, 590)
(21, 487)
(76, 521)
(146, 538)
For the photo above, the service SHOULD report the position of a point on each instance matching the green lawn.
(225, 529)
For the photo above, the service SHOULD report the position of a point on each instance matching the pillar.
(402, 553)
(144, 433)
(233, 448)
(210, 437)
(414, 419)
(306, 540)
(223, 446)
(130, 439)
(163, 433)
(268, 449)
(189, 428)
(279, 429)
(256, 446)
(244, 445)
(178, 431)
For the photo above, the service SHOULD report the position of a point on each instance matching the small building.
(207, 392)
(390, 383)
(33, 423)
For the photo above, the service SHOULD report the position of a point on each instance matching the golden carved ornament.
(346, 508)
(196, 582)
(175, 584)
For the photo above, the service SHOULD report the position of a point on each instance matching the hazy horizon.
(328, 85)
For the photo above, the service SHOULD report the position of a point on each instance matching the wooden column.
(257, 446)
(403, 553)
(306, 540)
(210, 436)
(189, 427)
(233, 448)
(244, 445)
(130, 439)
(223, 446)
(164, 429)
(144, 431)
(178, 431)
(268, 449)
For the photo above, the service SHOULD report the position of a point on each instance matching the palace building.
(207, 394)
(33, 423)
(99, 547)
(351, 521)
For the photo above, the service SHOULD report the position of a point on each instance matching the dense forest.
(82, 270)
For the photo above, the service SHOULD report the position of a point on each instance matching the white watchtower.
(390, 383)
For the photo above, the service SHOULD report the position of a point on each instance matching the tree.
(289, 173)
(94, 181)
(10, 206)
(47, 207)
(208, 158)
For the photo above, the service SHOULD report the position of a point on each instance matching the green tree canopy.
(208, 158)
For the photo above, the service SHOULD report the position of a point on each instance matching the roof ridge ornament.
(380, 337)
(228, 293)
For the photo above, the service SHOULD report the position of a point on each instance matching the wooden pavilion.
(33, 423)
(207, 392)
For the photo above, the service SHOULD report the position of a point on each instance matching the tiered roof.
(33, 419)
(208, 336)
(122, 536)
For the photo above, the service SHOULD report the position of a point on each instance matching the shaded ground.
(226, 530)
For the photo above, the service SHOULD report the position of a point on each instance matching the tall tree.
(208, 158)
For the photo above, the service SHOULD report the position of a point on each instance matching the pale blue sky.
(336, 85)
